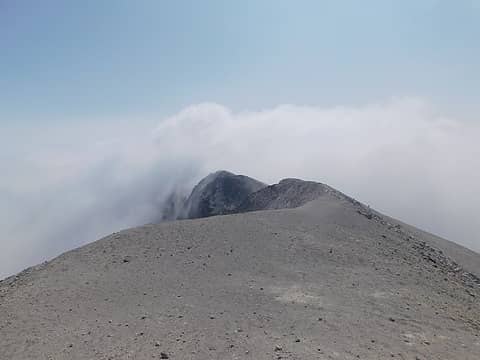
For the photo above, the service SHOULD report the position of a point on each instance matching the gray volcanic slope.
(330, 279)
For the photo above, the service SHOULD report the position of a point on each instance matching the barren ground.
(318, 282)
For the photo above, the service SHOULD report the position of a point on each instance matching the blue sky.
(72, 61)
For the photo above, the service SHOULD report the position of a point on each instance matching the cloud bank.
(64, 186)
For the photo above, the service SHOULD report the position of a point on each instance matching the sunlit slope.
(328, 280)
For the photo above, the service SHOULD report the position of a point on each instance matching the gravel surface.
(328, 280)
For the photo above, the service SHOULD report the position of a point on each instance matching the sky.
(107, 106)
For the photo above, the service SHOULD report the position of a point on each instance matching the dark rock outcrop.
(223, 193)
(218, 194)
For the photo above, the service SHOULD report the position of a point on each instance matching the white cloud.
(401, 156)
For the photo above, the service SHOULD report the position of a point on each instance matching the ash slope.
(327, 280)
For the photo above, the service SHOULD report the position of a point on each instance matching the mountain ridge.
(293, 283)
(223, 192)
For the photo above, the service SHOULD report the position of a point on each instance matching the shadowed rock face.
(223, 193)
(218, 194)
(320, 277)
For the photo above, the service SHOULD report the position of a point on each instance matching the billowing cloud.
(401, 156)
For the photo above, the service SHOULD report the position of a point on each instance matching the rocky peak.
(219, 193)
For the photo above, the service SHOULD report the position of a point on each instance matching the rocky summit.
(218, 194)
(295, 270)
